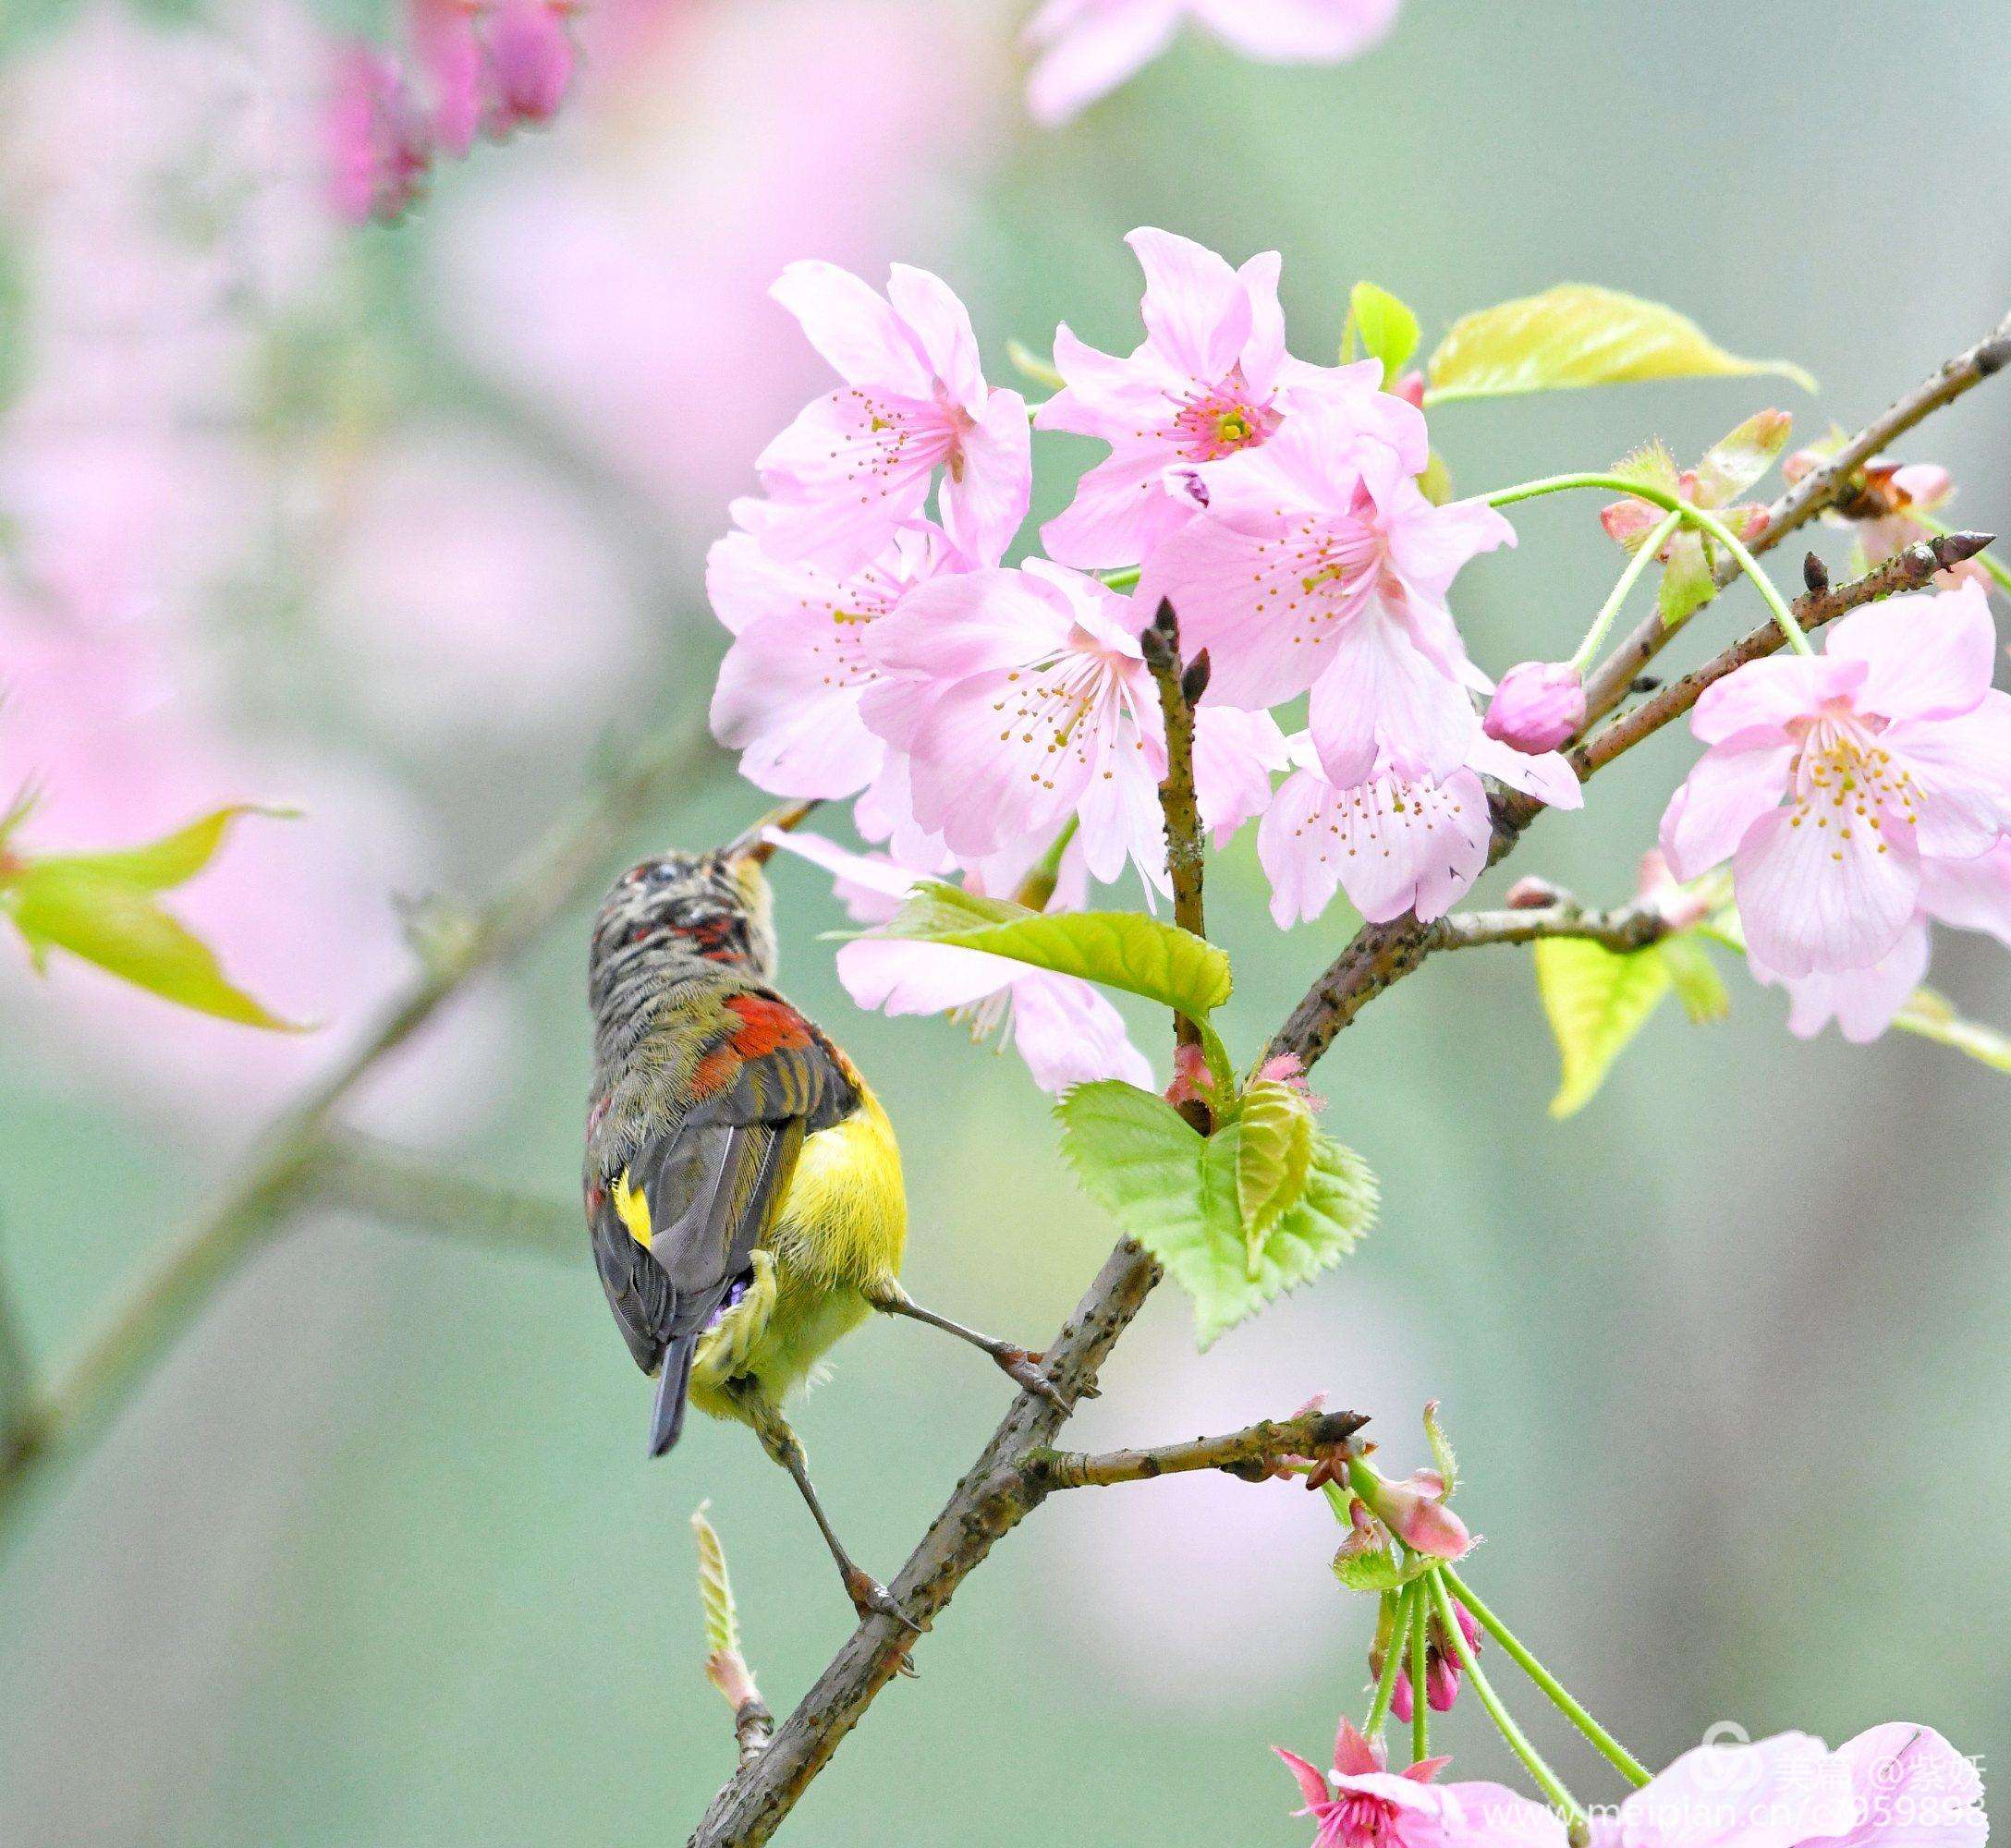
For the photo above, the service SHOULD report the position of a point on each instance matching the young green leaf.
(1687, 580)
(1650, 466)
(1575, 335)
(161, 865)
(715, 1587)
(1597, 1000)
(1930, 1015)
(1175, 1192)
(115, 925)
(1120, 949)
(1274, 1153)
(1735, 461)
(1385, 326)
(1695, 978)
(1031, 365)
(1378, 1570)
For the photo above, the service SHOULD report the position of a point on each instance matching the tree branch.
(1629, 927)
(1186, 856)
(82, 1400)
(1819, 488)
(397, 1187)
(1250, 1453)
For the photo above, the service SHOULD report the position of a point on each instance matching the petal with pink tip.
(853, 327)
(1962, 773)
(869, 886)
(1727, 792)
(903, 977)
(1926, 657)
(1816, 896)
(940, 326)
(1547, 775)
(1069, 1034)
(1312, 1783)
(1195, 309)
(1091, 49)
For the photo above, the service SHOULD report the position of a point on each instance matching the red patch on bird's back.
(767, 1027)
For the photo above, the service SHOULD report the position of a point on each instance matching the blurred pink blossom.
(1088, 47)
(380, 143)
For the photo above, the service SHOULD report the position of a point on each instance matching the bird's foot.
(1024, 1370)
(870, 1599)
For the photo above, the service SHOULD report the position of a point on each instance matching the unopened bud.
(1533, 894)
(1423, 1522)
(1538, 705)
(1409, 386)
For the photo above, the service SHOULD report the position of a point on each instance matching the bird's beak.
(753, 847)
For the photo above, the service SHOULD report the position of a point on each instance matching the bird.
(743, 1187)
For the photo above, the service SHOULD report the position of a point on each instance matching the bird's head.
(712, 906)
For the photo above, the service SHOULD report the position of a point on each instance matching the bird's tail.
(666, 1421)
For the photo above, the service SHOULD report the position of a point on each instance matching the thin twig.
(1630, 927)
(1186, 856)
(399, 1187)
(83, 1399)
(1250, 1453)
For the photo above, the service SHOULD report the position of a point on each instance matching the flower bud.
(1538, 705)
(1401, 1704)
(1441, 1682)
(1424, 1523)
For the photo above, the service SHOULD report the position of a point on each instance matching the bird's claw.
(870, 1599)
(1024, 1370)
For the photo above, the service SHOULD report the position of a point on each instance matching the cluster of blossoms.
(485, 68)
(1894, 1784)
(1001, 724)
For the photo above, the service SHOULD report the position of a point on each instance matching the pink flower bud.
(1538, 705)
(379, 143)
(1532, 895)
(1409, 386)
(1400, 1698)
(1629, 522)
(1468, 1628)
(1423, 1522)
(531, 64)
(1193, 1081)
(1441, 1684)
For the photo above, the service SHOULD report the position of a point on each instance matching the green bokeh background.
(374, 1560)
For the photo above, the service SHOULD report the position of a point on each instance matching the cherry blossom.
(1884, 506)
(789, 693)
(1088, 47)
(1393, 844)
(1829, 777)
(1022, 698)
(1538, 705)
(856, 465)
(1322, 564)
(1362, 1804)
(380, 144)
(1211, 380)
(1063, 1027)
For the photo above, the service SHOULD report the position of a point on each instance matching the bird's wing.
(682, 1218)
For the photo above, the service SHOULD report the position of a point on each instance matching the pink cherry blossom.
(1021, 698)
(380, 145)
(1088, 47)
(1361, 1805)
(1063, 1027)
(1970, 895)
(530, 63)
(1828, 778)
(789, 689)
(1393, 844)
(1538, 705)
(1884, 506)
(1894, 1786)
(1322, 564)
(1212, 379)
(856, 465)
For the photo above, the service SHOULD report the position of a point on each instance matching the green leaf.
(161, 865)
(1575, 335)
(1695, 978)
(1378, 1570)
(1175, 1192)
(1735, 462)
(1273, 1152)
(1686, 582)
(1119, 949)
(1597, 1000)
(116, 926)
(1930, 1016)
(1030, 364)
(1436, 483)
(1385, 326)
(715, 1588)
(1650, 466)
(1443, 1459)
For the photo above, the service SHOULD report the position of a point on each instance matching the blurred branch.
(1251, 1454)
(1186, 860)
(65, 1418)
(1380, 955)
(1630, 927)
(16, 1386)
(1821, 488)
(397, 1186)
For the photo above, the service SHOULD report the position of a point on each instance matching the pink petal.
(1926, 656)
(1727, 792)
(1264, 350)
(848, 474)
(899, 976)
(1312, 1783)
(1766, 695)
(798, 730)
(1121, 513)
(1912, 1790)
(1092, 47)
(1300, 849)
(1492, 1816)
(853, 327)
(1861, 1001)
(984, 495)
(1316, 32)
(869, 886)
(1815, 896)
(1235, 754)
(1069, 1034)
(1105, 395)
(1973, 894)
(1962, 773)
(1354, 1756)
(1429, 545)
(968, 622)
(939, 324)
(1195, 308)
(1547, 775)
(1380, 705)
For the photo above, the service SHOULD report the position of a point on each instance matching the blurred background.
(404, 526)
